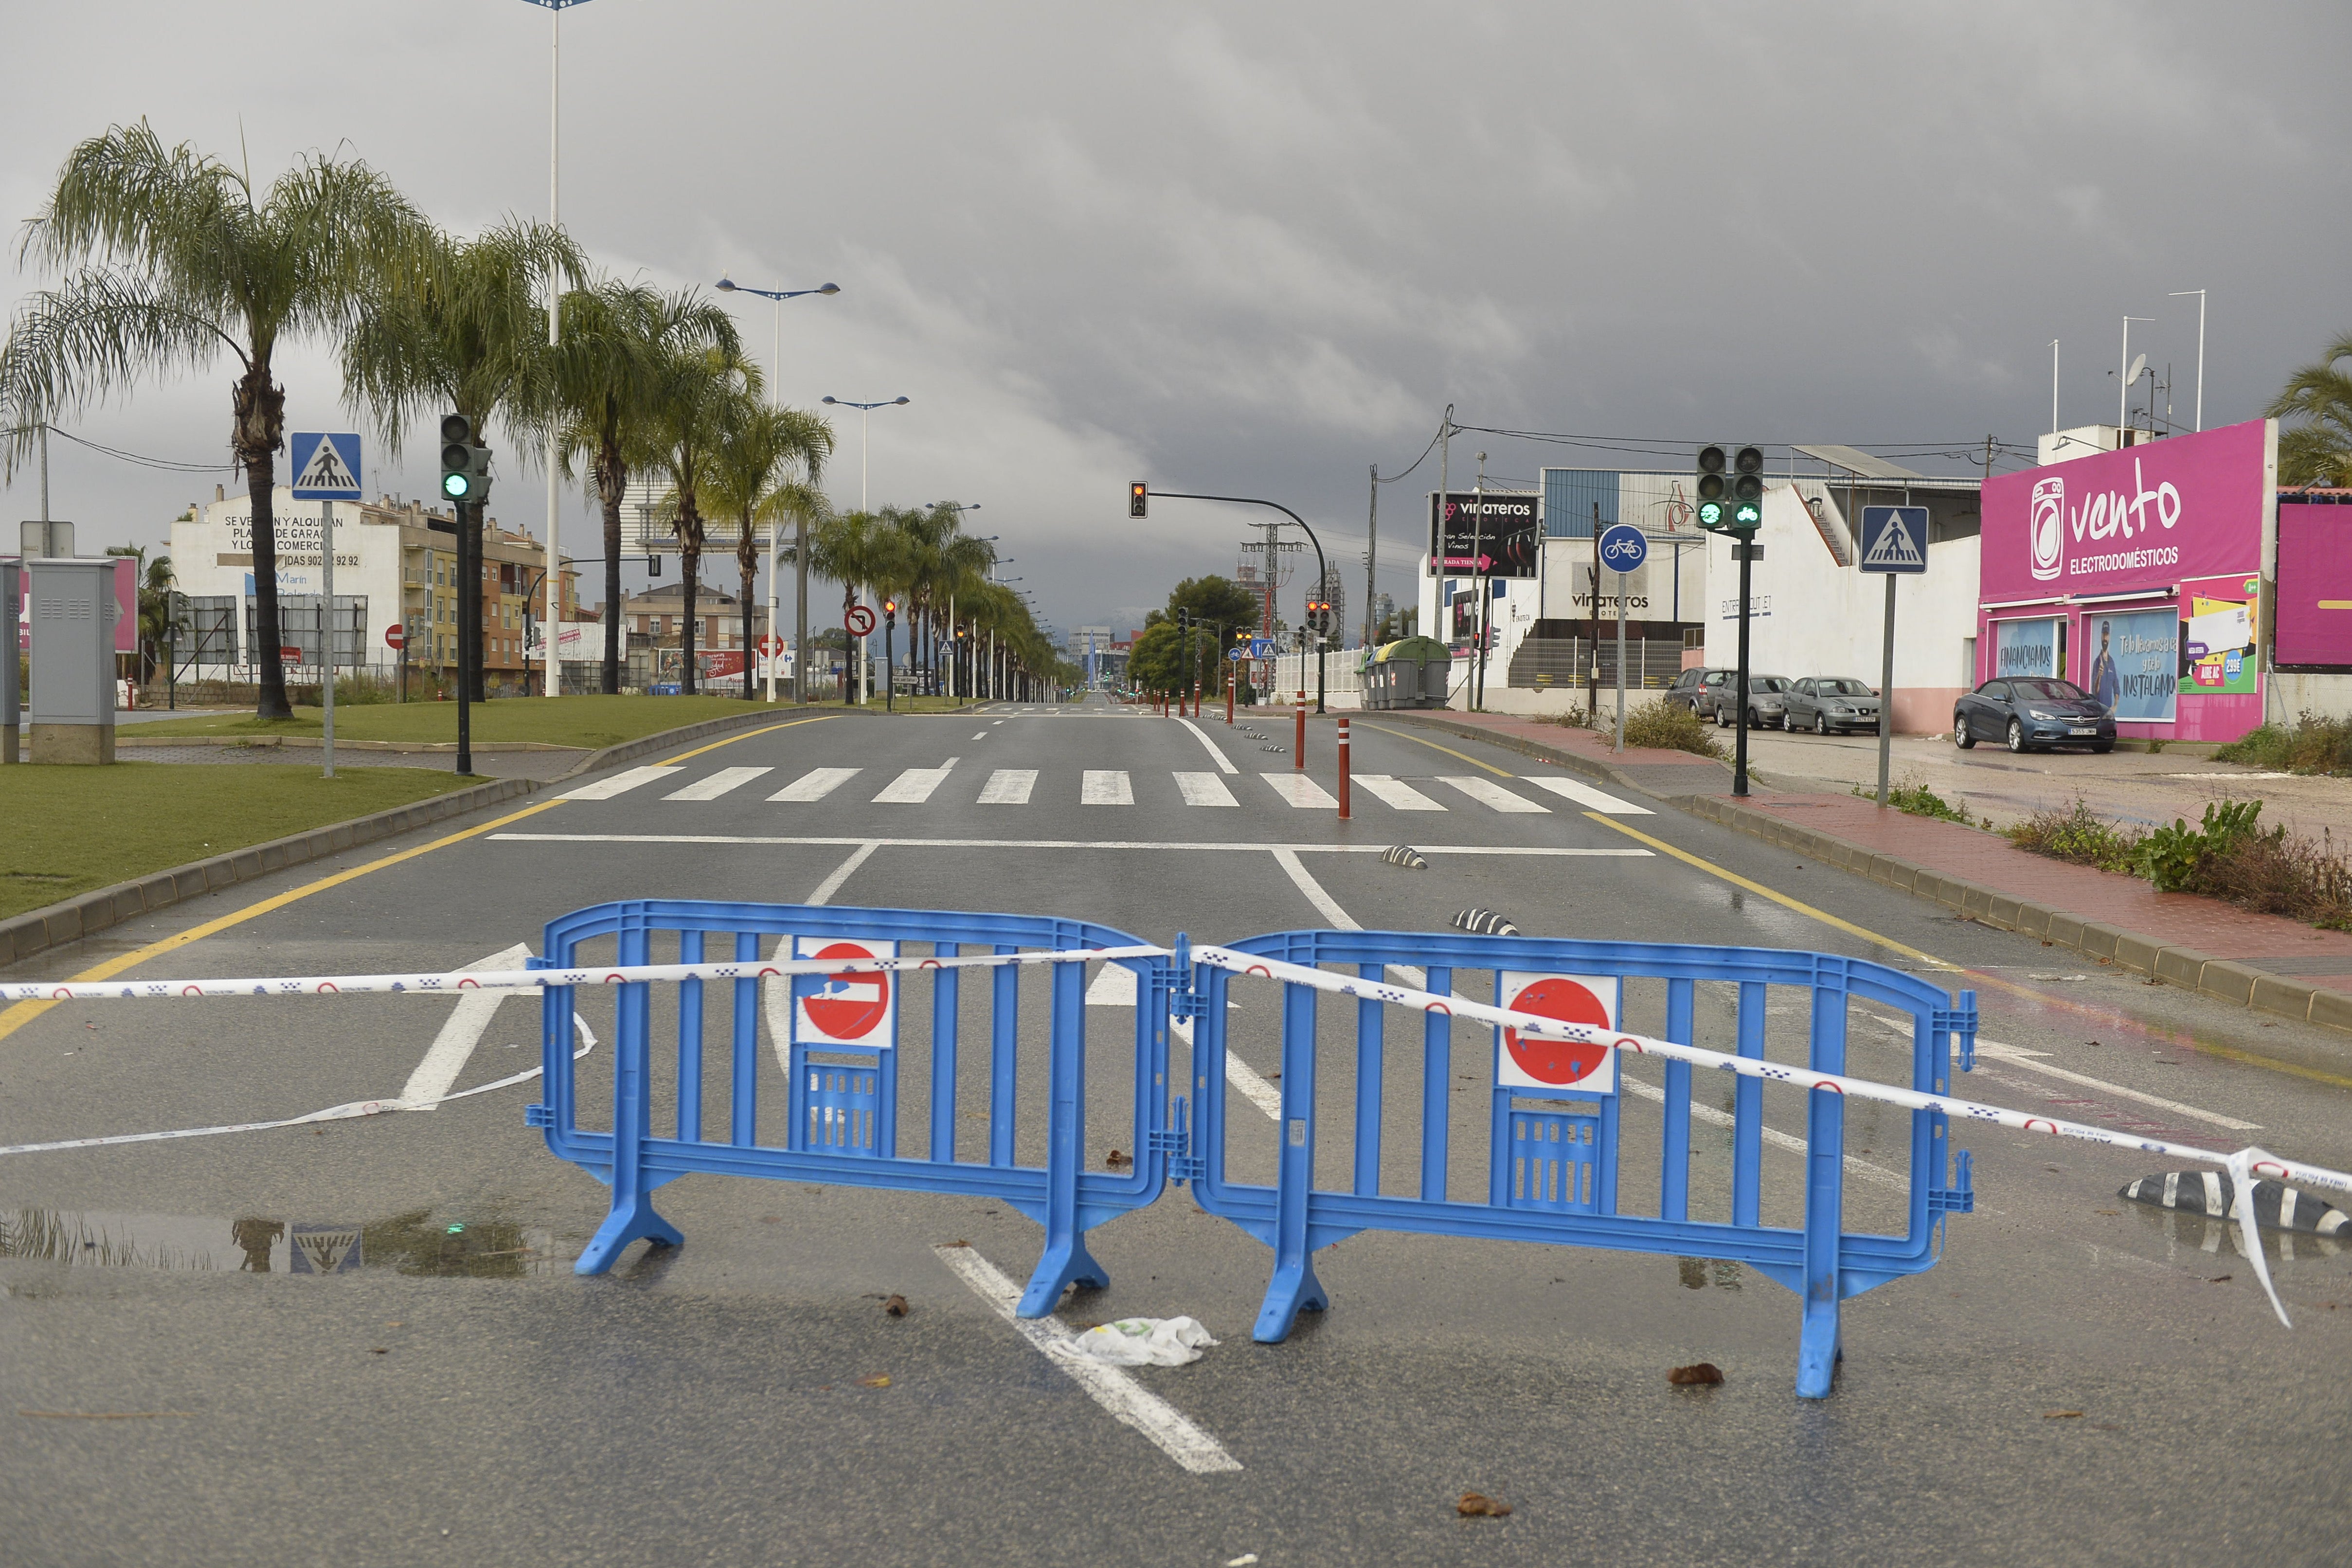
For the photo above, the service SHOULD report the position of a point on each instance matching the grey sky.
(1255, 248)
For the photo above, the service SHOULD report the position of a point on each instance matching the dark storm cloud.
(1256, 247)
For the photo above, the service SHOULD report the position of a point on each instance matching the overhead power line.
(167, 463)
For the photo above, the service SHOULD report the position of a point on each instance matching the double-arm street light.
(864, 411)
(1322, 572)
(555, 9)
(800, 547)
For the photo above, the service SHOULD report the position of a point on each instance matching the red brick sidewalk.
(2178, 936)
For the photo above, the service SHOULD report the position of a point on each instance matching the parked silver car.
(1825, 704)
(1767, 697)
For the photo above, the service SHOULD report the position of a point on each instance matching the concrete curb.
(314, 744)
(23, 935)
(2185, 967)
(1591, 768)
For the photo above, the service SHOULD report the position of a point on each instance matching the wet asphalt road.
(461, 1397)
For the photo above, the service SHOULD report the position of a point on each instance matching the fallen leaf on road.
(955, 1244)
(1114, 1160)
(2061, 1414)
(1477, 1505)
(2219, 1278)
(880, 1380)
(896, 1306)
(1698, 1375)
(380, 1351)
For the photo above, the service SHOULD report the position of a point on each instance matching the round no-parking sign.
(1528, 1063)
(851, 1008)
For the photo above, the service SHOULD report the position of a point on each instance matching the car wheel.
(1720, 721)
(1961, 737)
(1787, 724)
(1820, 724)
(1753, 722)
(2016, 736)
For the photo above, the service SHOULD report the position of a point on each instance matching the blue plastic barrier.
(1553, 1164)
(842, 1109)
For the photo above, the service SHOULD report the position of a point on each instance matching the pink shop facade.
(2138, 575)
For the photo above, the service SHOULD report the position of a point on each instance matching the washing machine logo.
(2045, 526)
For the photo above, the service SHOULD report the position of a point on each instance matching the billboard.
(2132, 664)
(2029, 647)
(1493, 534)
(2141, 519)
(2314, 634)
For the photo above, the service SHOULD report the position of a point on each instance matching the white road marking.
(2014, 1057)
(1114, 987)
(619, 783)
(1113, 1388)
(1106, 786)
(1394, 792)
(815, 784)
(1877, 1175)
(1009, 786)
(1219, 757)
(915, 785)
(1486, 792)
(1204, 789)
(982, 736)
(1325, 904)
(1299, 790)
(841, 873)
(994, 722)
(718, 783)
(1586, 796)
(1529, 850)
(455, 1044)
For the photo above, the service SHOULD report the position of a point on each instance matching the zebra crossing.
(1116, 788)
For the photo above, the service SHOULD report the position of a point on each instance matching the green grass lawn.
(586, 721)
(73, 830)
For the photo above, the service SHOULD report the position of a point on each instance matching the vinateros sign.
(1491, 535)
(2141, 519)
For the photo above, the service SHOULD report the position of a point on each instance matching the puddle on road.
(1697, 1273)
(416, 1243)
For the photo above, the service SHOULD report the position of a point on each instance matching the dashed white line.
(1106, 786)
(1486, 792)
(915, 785)
(1204, 789)
(1584, 794)
(1113, 1388)
(619, 783)
(1395, 792)
(1299, 790)
(718, 783)
(815, 784)
(1009, 786)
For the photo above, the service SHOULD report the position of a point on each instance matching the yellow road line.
(1761, 890)
(2027, 992)
(764, 730)
(1399, 734)
(24, 1013)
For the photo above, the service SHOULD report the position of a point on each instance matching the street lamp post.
(2183, 294)
(865, 410)
(555, 9)
(800, 535)
(1322, 572)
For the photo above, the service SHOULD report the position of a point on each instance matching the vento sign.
(2140, 518)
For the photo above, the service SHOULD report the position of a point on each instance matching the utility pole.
(1593, 635)
(1372, 558)
(1479, 624)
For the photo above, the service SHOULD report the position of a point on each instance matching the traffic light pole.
(469, 620)
(1322, 573)
(1746, 546)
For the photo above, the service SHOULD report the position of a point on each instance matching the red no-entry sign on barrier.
(1530, 1063)
(850, 1008)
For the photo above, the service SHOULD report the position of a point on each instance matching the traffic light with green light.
(1730, 489)
(465, 467)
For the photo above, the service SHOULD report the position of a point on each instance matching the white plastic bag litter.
(1142, 1341)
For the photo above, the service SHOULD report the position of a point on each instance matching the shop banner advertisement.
(2131, 663)
(2217, 617)
(2144, 517)
(2314, 589)
(1488, 535)
(2029, 647)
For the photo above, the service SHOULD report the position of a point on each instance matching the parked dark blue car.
(2026, 712)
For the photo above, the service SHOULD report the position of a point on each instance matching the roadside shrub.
(1670, 727)
(1569, 719)
(2078, 838)
(2273, 874)
(2312, 744)
(1917, 800)
(2174, 858)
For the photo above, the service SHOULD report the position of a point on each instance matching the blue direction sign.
(1261, 647)
(1894, 539)
(326, 464)
(1622, 547)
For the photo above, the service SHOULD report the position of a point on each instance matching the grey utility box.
(73, 660)
(12, 595)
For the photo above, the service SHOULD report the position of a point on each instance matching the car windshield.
(1768, 683)
(2048, 690)
(1841, 687)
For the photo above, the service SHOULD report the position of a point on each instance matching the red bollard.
(1298, 740)
(1229, 704)
(1196, 699)
(1343, 767)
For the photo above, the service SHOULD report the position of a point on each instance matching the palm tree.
(465, 330)
(2319, 451)
(701, 395)
(606, 383)
(177, 258)
(766, 469)
(854, 549)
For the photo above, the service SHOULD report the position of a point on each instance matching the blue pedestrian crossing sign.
(326, 464)
(1894, 539)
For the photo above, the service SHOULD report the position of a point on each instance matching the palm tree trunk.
(747, 558)
(259, 406)
(849, 643)
(612, 478)
(691, 560)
